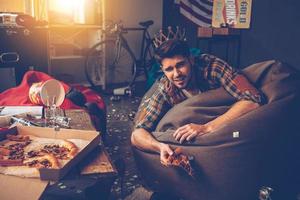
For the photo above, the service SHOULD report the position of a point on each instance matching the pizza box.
(55, 174)
(15, 188)
(32, 188)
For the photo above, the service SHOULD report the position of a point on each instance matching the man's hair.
(171, 48)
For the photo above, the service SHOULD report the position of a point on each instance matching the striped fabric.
(198, 11)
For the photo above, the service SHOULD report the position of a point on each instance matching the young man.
(185, 76)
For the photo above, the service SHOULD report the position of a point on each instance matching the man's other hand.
(165, 152)
(190, 131)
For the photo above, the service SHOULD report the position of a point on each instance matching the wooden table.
(92, 178)
(80, 119)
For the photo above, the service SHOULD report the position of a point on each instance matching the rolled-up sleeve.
(152, 111)
(234, 82)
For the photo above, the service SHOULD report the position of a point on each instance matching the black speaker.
(21, 48)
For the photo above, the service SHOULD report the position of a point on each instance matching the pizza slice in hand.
(178, 159)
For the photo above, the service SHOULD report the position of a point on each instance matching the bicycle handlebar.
(118, 27)
(133, 29)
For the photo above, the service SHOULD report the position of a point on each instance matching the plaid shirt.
(211, 73)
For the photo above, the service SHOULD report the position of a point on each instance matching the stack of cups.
(50, 94)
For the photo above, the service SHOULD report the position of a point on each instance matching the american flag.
(198, 11)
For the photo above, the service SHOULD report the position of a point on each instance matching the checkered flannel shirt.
(212, 73)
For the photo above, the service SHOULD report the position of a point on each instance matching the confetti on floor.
(120, 115)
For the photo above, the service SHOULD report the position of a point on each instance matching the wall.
(12, 6)
(131, 12)
(172, 17)
(274, 32)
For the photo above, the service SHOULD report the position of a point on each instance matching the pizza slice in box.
(23, 155)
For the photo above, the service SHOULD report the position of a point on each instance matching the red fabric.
(3, 129)
(243, 85)
(19, 95)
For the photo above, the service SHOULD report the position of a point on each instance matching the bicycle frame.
(119, 46)
(121, 40)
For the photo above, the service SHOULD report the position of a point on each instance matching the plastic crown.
(161, 37)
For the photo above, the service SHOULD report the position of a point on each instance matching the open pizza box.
(15, 187)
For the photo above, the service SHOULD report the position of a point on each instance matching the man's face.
(178, 70)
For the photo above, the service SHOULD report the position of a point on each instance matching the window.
(67, 12)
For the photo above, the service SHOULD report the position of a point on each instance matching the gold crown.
(161, 37)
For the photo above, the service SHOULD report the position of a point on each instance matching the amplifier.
(22, 48)
(8, 19)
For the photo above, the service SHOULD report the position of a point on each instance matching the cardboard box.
(31, 188)
(205, 32)
(208, 32)
(225, 31)
(16, 188)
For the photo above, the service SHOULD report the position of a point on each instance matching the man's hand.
(165, 152)
(190, 131)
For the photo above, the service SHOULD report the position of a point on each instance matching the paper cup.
(47, 93)
(34, 93)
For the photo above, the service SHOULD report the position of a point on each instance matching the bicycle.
(115, 54)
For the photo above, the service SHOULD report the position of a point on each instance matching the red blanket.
(19, 95)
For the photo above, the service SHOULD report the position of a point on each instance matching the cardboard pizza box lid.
(55, 174)
(15, 188)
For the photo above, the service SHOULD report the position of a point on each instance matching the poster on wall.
(235, 13)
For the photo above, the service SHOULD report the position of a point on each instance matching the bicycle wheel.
(106, 63)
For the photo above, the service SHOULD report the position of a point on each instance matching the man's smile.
(180, 80)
